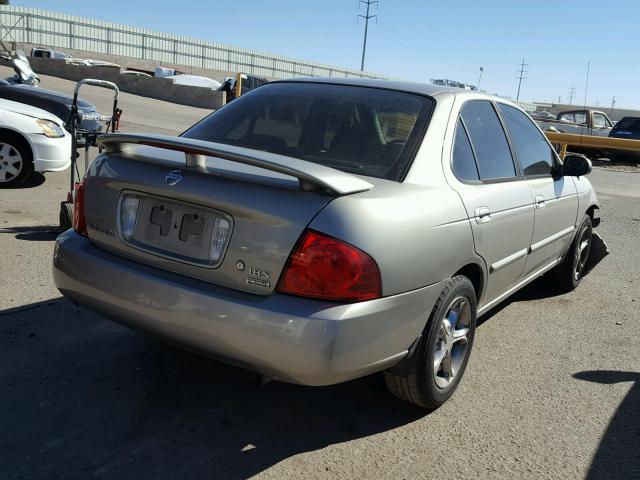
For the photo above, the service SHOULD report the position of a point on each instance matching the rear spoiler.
(311, 176)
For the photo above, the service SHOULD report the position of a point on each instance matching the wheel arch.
(476, 275)
(25, 138)
(591, 211)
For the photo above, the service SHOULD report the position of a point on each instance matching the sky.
(420, 39)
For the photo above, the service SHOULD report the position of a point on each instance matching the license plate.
(180, 231)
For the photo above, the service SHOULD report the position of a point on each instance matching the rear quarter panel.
(417, 235)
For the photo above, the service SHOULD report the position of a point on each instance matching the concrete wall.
(137, 63)
(159, 88)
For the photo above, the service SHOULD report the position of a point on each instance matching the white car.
(31, 140)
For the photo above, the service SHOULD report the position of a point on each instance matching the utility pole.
(572, 92)
(613, 103)
(521, 76)
(586, 86)
(366, 17)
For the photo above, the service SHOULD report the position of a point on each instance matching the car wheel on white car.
(436, 367)
(16, 160)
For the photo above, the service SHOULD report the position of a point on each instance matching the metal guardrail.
(40, 27)
(592, 141)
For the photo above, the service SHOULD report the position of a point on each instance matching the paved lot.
(552, 389)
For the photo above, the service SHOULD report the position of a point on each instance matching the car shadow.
(543, 288)
(618, 455)
(39, 233)
(85, 397)
(599, 251)
(35, 180)
(82, 396)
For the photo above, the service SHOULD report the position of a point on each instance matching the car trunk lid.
(184, 205)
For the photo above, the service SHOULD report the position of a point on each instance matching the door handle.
(540, 202)
(483, 214)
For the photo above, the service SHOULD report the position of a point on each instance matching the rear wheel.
(16, 160)
(568, 274)
(66, 216)
(439, 362)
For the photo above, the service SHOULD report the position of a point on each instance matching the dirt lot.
(552, 389)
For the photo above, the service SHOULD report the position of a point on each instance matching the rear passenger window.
(599, 120)
(464, 163)
(533, 151)
(488, 139)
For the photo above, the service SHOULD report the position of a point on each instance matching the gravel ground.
(552, 389)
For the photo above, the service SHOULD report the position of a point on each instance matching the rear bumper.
(291, 339)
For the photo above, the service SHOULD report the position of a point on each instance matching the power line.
(572, 92)
(448, 52)
(521, 76)
(448, 44)
(427, 47)
(366, 17)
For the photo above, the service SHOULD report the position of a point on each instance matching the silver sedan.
(319, 230)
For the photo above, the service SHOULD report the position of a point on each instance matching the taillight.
(128, 215)
(326, 268)
(79, 222)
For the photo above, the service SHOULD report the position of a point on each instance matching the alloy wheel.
(451, 342)
(582, 255)
(10, 162)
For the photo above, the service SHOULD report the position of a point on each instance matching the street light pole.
(480, 77)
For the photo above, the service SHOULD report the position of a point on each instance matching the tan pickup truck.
(580, 122)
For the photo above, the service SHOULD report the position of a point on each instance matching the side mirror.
(576, 166)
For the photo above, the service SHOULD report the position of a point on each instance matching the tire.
(66, 216)
(16, 160)
(568, 274)
(422, 383)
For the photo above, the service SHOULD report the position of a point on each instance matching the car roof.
(412, 87)
(439, 92)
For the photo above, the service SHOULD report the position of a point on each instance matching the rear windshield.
(628, 123)
(367, 131)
